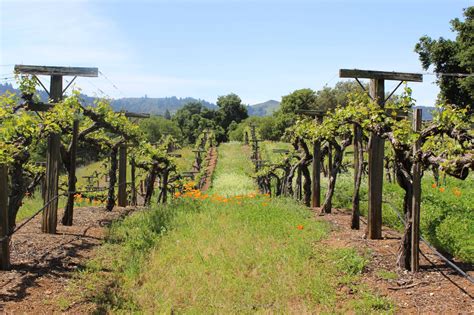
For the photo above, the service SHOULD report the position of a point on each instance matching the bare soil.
(42, 264)
(210, 168)
(437, 288)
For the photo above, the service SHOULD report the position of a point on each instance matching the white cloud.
(66, 33)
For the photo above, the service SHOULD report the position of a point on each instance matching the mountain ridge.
(159, 105)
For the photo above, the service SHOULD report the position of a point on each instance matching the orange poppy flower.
(441, 189)
(300, 227)
(433, 185)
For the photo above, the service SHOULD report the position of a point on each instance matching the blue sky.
(259, 50)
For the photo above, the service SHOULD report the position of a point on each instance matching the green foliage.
(452, 56)
(156, 127)
(329, 98)
(194, 117)
(286, 116)
(447, 216)
(266, 126)
(15, 129)
(230, 109)
(303, 99)
(446, 211)
(23, 133)
(386, 274)
(349, 261)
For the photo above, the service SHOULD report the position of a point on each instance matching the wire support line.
(28, 220)
(110, 81)
(449, 74)
(97, 88)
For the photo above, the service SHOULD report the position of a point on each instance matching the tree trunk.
(17, 191)
(336, 165)
(387, 169)
(306, 185)
(305, 160)
(149, 186)
(298, 192)
(327, 205)
(404, 252)
(289, 180)
(112, 178)
(164, 186)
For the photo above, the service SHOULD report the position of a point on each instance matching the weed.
(386, 274)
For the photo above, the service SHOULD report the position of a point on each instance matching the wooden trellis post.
(358, 157)
(415, 212)
(122, 181)
(4, 227)
(56, 91)
(50, 213)
(376, 150)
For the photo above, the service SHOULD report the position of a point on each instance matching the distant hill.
(157, 106)
(263, 109)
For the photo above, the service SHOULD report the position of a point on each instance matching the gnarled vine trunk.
(149, 186)
(336, 165)
(112, 178)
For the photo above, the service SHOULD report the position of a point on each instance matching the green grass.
(225, 254)
(447, 218)
(447, 214)
(185, 162)
(32, 204)
(235, 177)
(269, 146)
(35, 202)
(387, 275)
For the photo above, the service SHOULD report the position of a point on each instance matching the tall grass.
(232, 251)
(447, 211)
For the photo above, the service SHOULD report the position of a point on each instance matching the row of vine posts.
(312, 192)
(55, 153)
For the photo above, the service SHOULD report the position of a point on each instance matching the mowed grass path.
(230, 251)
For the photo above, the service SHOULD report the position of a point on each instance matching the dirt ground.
(42, 264)
(435, 289)
(210, 168)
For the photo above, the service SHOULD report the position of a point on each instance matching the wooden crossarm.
(59, 71)
(383, 75)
